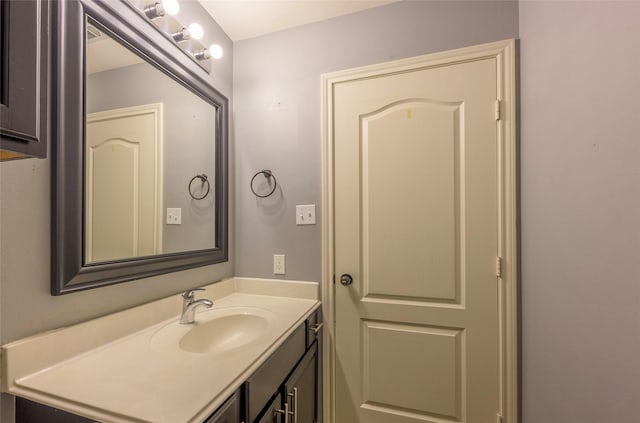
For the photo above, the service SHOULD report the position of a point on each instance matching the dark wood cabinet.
(24, 82)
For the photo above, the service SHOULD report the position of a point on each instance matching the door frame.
(507, 269)
(155, 110)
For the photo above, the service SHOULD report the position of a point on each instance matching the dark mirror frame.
(69, 271)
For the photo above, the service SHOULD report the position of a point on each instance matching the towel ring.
(268, 175)
(204, 180)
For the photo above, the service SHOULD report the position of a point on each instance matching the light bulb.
(196, 31)
(171, 7)
(215, 51)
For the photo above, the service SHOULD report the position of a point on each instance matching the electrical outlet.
(278, 264)
(174, 216)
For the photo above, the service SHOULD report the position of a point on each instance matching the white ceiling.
(104, 53)
(242, 19)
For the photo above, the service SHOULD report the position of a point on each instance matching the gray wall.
(580, 167)
(277, 96)
(188, 145)
(25, 211)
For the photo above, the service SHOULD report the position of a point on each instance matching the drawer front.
(314, 326)
(262, 385)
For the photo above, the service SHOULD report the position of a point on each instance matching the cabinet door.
(229, 412)
(23, 78)
(301, 388)
(275, 412)
(268, 379)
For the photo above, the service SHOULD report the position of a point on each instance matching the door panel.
(416, 224)
(124, 183)
(434, 354)
(423, 179)
(115, 209)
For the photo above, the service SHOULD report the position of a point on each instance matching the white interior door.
(124, 183)
(418, 228)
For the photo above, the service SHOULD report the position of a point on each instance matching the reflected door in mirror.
(124, 183)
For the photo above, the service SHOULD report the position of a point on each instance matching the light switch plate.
(306, 214)
(174, 216)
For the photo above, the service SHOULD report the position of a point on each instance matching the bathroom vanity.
(252, 357)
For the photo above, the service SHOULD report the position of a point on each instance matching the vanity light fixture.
(156, 10)
(181, 35)
(173, 29)
(196, 31)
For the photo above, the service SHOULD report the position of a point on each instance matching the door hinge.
(334, 279)
(497, 109)
(499, 267)
(499, 418)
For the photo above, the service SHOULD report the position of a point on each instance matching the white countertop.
(129, 379)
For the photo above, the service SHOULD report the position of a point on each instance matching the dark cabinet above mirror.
(139, 151)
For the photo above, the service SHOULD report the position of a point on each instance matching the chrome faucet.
(189, 305)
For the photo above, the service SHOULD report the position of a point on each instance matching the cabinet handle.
(316, 328)
(295, 404)
(286, 412)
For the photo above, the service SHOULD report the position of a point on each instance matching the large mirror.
(140, 160)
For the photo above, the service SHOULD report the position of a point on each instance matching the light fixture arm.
(181, 35)
(154, 11)
(201, 54)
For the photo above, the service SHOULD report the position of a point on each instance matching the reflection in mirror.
(135, 121)
(147, 136)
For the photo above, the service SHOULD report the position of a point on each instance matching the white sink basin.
(224, 333)
(215, 331)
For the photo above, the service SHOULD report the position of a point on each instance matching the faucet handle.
(188, 295)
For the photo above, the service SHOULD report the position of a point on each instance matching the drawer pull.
(316, 328)
(295, 404)
(286, 412)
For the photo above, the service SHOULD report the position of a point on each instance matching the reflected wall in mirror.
(134, 123)
(146, 137)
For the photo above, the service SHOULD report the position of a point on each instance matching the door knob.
(346, 279)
